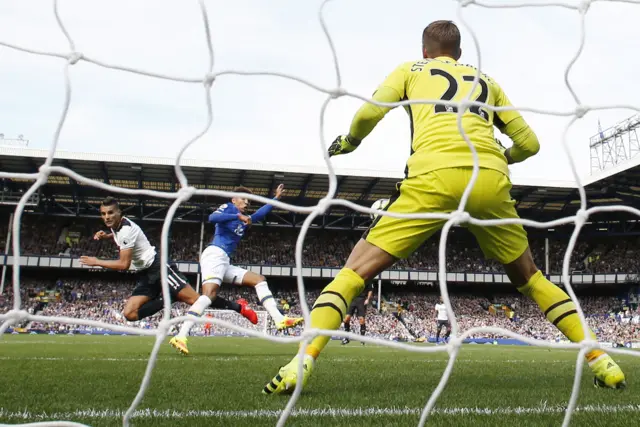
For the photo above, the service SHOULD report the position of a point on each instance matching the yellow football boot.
(179, 344)
(607, 373)
(287, 378)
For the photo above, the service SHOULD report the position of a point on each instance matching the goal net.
(221, 322)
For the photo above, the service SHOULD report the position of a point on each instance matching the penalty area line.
(324, 412)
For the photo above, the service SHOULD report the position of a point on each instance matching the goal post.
(230, 316)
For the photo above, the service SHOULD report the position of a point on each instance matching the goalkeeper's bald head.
(441, 38)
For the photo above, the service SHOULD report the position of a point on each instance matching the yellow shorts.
(440, 192)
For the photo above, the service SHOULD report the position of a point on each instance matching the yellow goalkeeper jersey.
(436, 139)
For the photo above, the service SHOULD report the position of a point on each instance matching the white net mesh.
(17, 314)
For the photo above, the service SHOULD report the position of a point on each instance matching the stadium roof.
(305, 185)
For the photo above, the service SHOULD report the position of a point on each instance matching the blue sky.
(277, 120)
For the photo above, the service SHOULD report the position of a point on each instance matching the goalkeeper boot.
(179, 344)
(289, 322)
(247, 312)
(607, 373)
(287, 378)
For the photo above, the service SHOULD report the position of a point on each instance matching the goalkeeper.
(437, 172)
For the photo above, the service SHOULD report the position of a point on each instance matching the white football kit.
(442, 312)
(130, 236)
(146, 261)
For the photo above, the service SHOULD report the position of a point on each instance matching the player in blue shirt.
(230, 225)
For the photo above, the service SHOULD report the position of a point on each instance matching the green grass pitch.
(94, 379)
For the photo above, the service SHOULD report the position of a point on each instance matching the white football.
(379, 205)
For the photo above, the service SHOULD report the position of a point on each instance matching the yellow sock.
(558, 309)
(332, 305)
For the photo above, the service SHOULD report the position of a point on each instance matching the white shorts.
(215, 267)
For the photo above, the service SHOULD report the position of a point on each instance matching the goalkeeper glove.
(342, 145)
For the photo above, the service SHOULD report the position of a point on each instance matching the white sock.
(267, 301)
(195, 311)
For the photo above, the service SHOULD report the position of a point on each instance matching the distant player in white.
(215, 264)
(135, 250)
(442, 319)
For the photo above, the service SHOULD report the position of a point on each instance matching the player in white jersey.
(136, 251)
(442, 319)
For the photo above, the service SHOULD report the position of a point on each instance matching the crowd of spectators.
(72, 237)
(611, 319)
(403, 316)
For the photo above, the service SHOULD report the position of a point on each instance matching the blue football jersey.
(229, 229)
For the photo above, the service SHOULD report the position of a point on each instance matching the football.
(379, 205)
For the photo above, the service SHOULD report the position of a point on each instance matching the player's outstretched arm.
(369, 115)
(261, 213)
(122, 263)
(101, 235)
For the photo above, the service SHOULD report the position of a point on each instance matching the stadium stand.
(61, 218)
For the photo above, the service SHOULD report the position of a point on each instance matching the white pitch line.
(120, 359)
(30, 342)
(251, 358)
(324, 412)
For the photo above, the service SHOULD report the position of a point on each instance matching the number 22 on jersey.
(452, 90)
